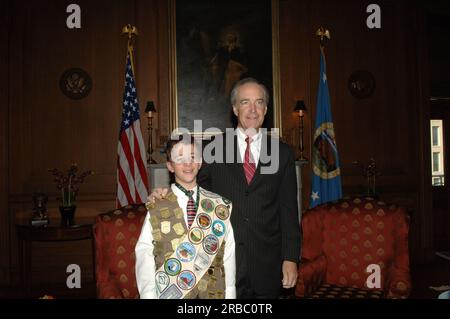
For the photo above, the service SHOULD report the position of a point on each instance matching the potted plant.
(67, 184)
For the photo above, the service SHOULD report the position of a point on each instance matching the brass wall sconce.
(300, 108)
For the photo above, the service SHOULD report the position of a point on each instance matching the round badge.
(222, 211)
(186, 280)
(226, 200)
(211, 244)
(207, 205)
(186, 252)
(172, 266)
(218, 228)
(204, 221)
(195, 235)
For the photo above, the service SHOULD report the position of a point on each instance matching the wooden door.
(440, 162)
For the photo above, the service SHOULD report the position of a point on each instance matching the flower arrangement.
(68, 183)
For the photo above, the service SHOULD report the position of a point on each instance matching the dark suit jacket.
(264, 218)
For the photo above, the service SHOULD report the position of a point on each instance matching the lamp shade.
(150, 107)
(300, 106)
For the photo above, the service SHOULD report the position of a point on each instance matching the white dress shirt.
(255, 145)
(145, 260)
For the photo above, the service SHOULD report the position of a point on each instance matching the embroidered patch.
(165, 227)
(195, 235)
(207, 205)
(204, 221)
(211, 244)
(178, 228)
(186, 280)
(201, 261)
(178, 212)
(218, 228)
(165, 213)
(162, 281)
(172, 266)
(173, 292)
(175, 242)
(186, 252)
(222, 212)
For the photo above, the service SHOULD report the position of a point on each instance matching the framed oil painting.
(214, 44)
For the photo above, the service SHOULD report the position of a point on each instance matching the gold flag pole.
(131, 31)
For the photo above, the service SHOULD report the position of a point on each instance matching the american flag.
(132, 181)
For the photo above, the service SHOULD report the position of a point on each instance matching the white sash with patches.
(195, 251)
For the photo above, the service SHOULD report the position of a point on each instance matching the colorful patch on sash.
(186, 252)
(165, 212)
(207, 205)
(204, 221)
(186, 280)
(171, 293)
(201, 261)
(218, 228)
(165, 227)
(211, 244)
(178, 228)
(178, 212)
(162, 281)
(172, 266)
(195, 235)
(222, 212)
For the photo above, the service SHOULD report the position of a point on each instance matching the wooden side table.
(26, 234)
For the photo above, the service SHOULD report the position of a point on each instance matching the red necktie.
(249, 163)
(191, 211)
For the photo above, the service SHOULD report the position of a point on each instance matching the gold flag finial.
(323, 33)
(130, 30)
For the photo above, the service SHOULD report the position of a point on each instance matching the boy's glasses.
(186, 159)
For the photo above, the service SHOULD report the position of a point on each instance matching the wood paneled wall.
(390, 126)
(4, 147)
(40, 128)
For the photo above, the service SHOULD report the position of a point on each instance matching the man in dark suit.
(260, 180)
(265, 213)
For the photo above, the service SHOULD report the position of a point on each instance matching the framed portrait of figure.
(214, 44)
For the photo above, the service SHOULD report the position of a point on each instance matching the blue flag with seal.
(326, 174)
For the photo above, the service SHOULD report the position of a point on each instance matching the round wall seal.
(361, 84)
(75, 83)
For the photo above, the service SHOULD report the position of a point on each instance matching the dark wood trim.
(425, 222)
(4, 143)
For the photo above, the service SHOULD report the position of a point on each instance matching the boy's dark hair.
(185, 139)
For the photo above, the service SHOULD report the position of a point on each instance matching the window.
(437, 153)
(436, 156)
(435, 135)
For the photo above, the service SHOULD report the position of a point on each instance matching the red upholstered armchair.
(341, 239)
(116, 234)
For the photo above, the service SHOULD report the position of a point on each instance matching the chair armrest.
(398, 278)
(311, 274)
(107, 287)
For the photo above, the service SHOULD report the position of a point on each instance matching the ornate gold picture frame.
(213, 44)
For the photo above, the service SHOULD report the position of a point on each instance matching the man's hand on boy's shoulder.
(158, 193)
